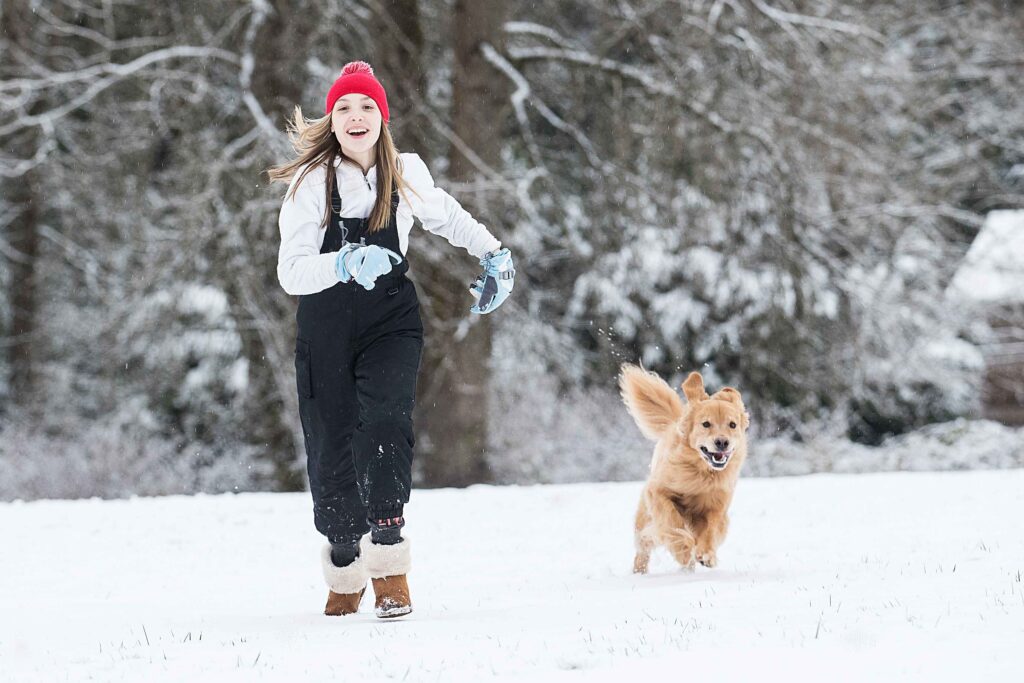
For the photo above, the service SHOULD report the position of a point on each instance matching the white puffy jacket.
(302, 269)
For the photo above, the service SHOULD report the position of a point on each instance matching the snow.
(955, 445)
(993, 269)
(896, 576)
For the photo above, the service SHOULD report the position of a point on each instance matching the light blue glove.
(495, 283)
(364, 263)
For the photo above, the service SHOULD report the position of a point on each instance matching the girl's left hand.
(494, 285)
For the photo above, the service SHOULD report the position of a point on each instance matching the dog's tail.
(650, 400)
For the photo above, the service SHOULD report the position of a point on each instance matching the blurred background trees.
(776, 193)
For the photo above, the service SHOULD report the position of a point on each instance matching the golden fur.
(685, 500)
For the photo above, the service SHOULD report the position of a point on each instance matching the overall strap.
(341, 230)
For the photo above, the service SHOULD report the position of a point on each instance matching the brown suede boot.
(347, 584)
(340, 604)
(387, 565)
(392, 597)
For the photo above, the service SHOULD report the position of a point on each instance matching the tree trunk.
(23, 240)
(398, 62)
(266, 315)
(454, 395)
(20, 194)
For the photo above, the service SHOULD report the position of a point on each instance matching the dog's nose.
(722, 444)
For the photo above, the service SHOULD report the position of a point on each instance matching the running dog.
(700, 448)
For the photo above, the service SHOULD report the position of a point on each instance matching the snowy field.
(898, 576)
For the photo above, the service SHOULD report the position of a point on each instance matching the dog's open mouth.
(716, 459)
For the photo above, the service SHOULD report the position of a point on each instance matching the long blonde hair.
(316, 145)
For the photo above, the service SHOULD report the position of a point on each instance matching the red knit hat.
(357, 77)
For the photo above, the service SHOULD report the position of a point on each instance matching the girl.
(345, 225)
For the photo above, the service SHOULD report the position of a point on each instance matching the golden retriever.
(701, 446)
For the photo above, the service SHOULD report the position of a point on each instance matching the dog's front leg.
(673, 531)
(711, 538)
(642, 539)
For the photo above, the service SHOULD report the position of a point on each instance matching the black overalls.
(357, 354)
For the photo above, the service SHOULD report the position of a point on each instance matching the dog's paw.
(709, 560)
(640, 564)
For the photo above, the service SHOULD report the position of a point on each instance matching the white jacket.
(302, 269)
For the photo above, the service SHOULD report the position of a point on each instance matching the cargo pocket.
(303, 369)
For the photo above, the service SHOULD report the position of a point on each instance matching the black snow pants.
(357, 355)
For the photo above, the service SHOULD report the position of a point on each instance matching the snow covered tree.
(776, 193)
(760, 197)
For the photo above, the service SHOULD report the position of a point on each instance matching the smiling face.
(714, 426)
(356, 122)
(717, 430)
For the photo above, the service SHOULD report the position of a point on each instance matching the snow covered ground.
(897, 576)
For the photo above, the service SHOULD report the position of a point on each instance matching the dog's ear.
(732, 396)
(693, 387)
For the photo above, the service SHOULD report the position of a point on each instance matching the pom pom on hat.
(356, 68)
(357, 77)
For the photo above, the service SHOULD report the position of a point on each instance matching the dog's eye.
(732, 425)
(706, 424)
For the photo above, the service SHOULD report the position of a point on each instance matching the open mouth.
(358, 132)
(716, 459)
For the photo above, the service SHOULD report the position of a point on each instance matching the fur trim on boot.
(387, 566)
(346, 583)
(385, 560)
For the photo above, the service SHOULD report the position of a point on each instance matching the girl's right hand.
(364, 263)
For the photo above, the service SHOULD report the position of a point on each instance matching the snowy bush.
(182, 345)
(120, 456)
(167, 418)
(956, 445)
(545, 428)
